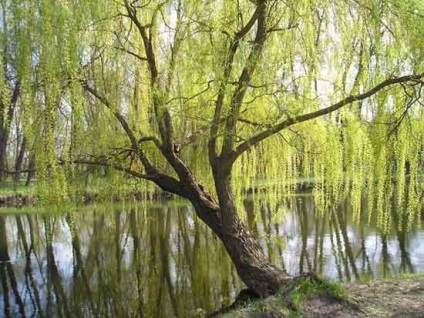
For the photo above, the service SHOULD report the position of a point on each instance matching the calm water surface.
(162, 262)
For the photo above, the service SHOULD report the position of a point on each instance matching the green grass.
(365, 279)
(306, 287)
(11, 188)
(291, 298)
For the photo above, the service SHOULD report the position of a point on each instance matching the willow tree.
(206, 99)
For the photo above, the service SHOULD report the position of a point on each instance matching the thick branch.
(252, 141)
(152, 139)
(160, 92)
(104, 163)
(165, 182)
(150, 56)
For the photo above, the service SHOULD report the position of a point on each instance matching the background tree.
(221, 95)
(9, 87)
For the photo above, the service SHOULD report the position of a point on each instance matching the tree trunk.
(254, 269)
(31, 169)
(252, 266)
(19, 160)
(3, 144)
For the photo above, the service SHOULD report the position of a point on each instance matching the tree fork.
(252, 266)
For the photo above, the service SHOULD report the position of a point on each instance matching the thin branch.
(244, 79)
(120, 118)
(193, 96)
(17, 171)
(255, 139)
(228, 65)
(253, 123)
(289, 27)
(409, 104)
(139, 57)
(104, 163)
(93, 59)
(134, 143)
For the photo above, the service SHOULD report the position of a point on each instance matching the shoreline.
(389, 297)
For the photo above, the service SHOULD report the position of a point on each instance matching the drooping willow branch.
(255, 139)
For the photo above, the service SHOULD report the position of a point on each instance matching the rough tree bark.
(252, 266)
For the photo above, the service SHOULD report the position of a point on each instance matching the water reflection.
(162, 262)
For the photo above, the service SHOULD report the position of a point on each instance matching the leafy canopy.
(86, 81)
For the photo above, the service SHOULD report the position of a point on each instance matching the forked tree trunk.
(254, 269)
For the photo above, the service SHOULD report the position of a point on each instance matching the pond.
(160, 261)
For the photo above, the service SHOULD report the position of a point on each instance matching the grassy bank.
(311, 297)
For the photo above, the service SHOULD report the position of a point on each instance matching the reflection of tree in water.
(400, 224)
(162, 262)
(302, 211)
(385, 257)
(270, 229)
(366, 271)
(312, 230)
(57, 306)
(30, 282)
(333, 233)
(341, 218)
(136, 264)
(126, 264)
(81, 287)
(7, 274)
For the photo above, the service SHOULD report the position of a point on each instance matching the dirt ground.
(385, 298)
